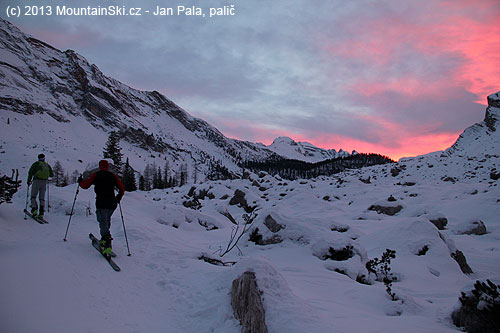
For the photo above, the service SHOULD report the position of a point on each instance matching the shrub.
(8, 186)
(339, 255)
(480, 309)
(382, 270)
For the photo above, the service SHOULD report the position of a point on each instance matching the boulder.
(247, 304)
(272, 225)
(462, 262)
(387, 210)
(471, 228)
(239, 199)
(439, 222)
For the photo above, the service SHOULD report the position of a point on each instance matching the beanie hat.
(103, 165)
(41, 157)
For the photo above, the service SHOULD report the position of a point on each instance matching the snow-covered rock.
(304, 151)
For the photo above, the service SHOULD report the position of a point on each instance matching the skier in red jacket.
(104, 182)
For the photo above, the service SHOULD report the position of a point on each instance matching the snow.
(54, 285)
(303, 151)
(48, 285)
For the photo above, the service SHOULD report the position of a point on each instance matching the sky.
(399, 78)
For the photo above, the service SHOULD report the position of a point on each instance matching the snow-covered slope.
(50, 94)
(483, 136)
(437, 200)
(304, 151)
(58, 286)
(50, 97)
(424, 208)
(474, 157)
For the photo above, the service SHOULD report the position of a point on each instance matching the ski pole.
(27, 195)
(124, 231)
(48, 196)
(71, 214)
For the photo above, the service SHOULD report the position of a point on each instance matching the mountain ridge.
(40, 79)
(71, 100)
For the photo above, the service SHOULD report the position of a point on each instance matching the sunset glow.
(399, 78)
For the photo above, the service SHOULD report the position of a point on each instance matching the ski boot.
(105, 244)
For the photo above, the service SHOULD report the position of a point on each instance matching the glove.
(80, 179)
(29, 182)
(119, 197)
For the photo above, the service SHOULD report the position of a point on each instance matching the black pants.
(104, 219)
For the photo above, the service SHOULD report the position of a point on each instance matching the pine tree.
(183, 175)
(129, 178)
(113, 149)
(173, 180)
(195, 173)
(159, 180)
(58, 173)
(148, 177)
(141, 183)
(166, 176)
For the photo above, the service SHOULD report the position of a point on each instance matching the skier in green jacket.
(39, 173)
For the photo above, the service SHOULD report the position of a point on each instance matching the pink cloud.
(437, 35)
(393, 139)
(408, 146)
(396, 141)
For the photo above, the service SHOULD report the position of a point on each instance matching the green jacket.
(40, 170)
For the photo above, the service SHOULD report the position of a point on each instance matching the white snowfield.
(48, 285)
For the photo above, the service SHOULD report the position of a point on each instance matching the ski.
(95, 244)
(36, 218)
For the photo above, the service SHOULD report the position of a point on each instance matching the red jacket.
(105, 182)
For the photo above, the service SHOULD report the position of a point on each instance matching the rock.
(492, 117)
(247, 304)
(239, 199)
(387, 210)
(449, 179)
(365, 180)
(471, 228)
(258, 239)
(339, 228)
(478, 229)
(275, 239)
(462, 262)
(494, 100)
(494, 175)
(407, 184)
(395, 172)
(272, 225)
(440, 222)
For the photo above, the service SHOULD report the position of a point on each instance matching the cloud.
(392, 76)
(423, 47)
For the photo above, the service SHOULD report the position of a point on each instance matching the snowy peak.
(283, 140)
(482, 138)
(303, 151)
